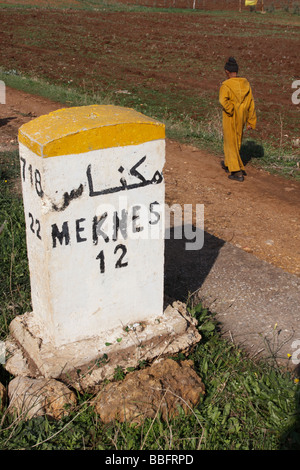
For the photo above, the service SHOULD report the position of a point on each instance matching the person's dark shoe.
(224, 166)
(236, 176)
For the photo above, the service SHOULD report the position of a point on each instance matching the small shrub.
(296, 9)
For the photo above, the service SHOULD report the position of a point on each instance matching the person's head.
(231, 67)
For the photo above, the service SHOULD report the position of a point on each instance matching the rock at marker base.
(29, 398)
(162, 388)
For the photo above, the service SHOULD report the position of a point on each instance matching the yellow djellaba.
(236, 99)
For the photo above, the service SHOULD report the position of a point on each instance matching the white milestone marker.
(93, 192)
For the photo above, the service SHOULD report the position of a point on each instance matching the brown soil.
(260, 215)
(177, 65)
(199, 4)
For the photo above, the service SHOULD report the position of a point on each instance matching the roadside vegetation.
(274, 157)
(164, 75)
(248, 404)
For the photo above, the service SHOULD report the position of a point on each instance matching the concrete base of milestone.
(85, 364)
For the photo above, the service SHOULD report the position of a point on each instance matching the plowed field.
(170, 62)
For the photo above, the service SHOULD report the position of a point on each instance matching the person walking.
(236, 99)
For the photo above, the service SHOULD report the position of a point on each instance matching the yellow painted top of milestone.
(82, 129)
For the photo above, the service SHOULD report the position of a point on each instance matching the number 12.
(119, 263)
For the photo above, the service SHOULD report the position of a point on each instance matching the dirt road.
(260, 215)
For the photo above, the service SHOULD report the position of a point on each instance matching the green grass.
(14, 275)
(158, 72)
(247, 405)
(204, 132)
(102, 5)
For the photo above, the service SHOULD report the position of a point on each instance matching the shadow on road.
(186, 270)
(250, 150)
(5, 121)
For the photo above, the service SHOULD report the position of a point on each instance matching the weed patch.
(247, 405)
(14, 274)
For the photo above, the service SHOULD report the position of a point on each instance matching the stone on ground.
(37, 397)
(159, 389)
